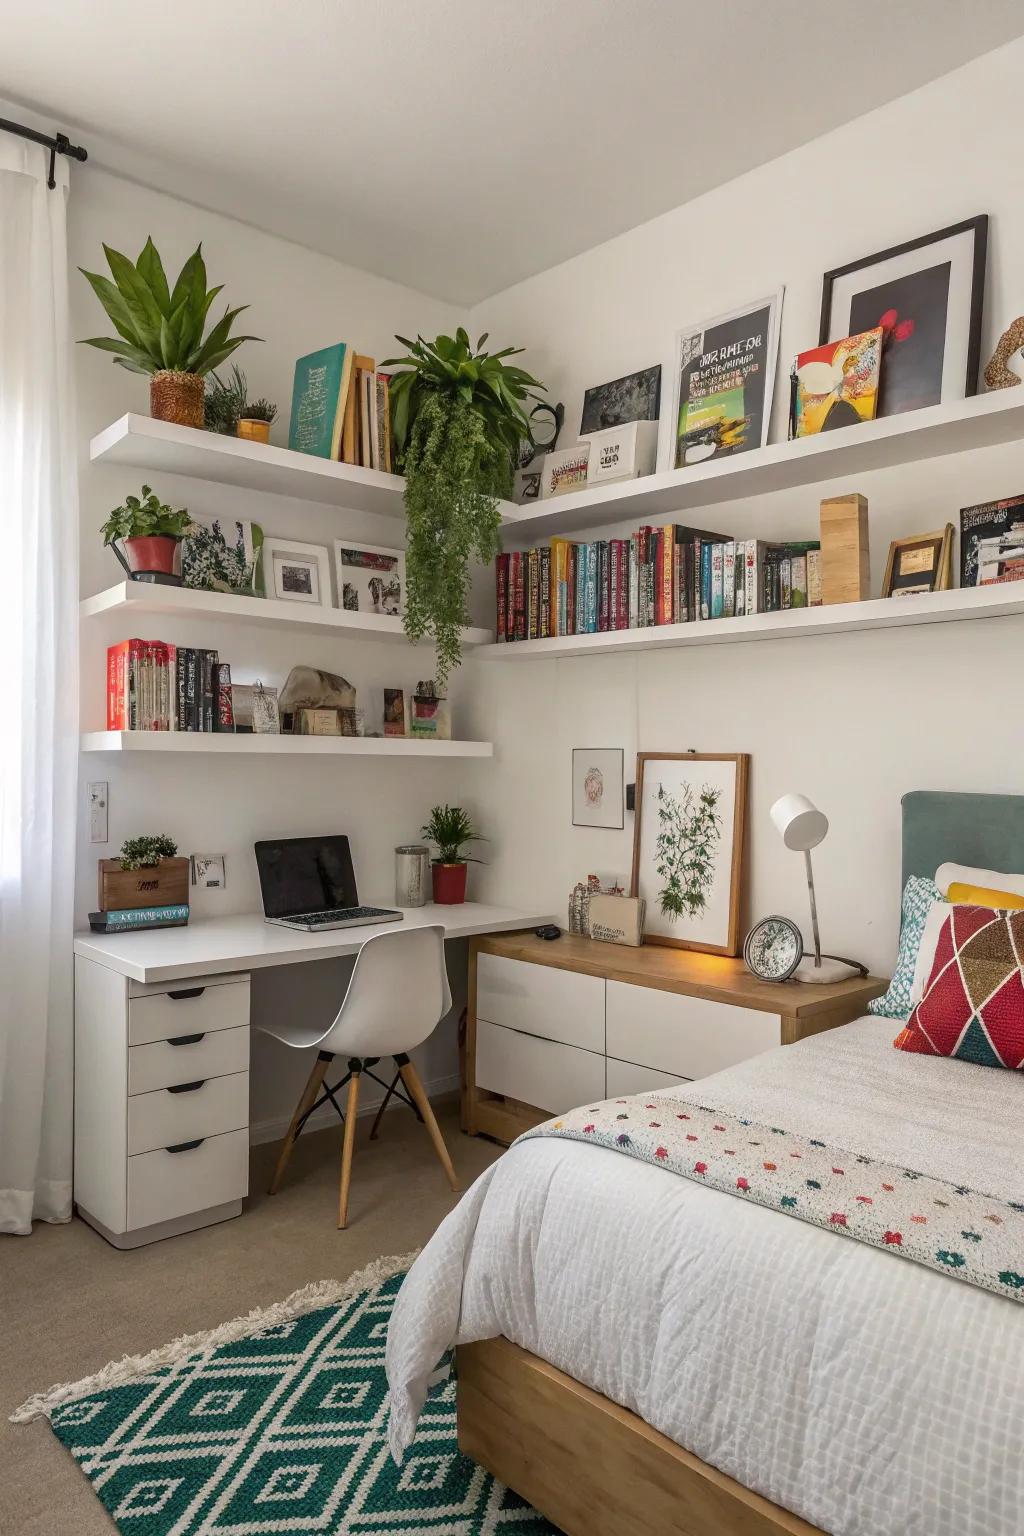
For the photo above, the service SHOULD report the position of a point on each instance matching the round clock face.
(773, 948)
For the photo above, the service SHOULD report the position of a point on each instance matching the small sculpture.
(310, 688)
(997, 374)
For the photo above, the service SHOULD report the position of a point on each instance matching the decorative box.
(565, 470)
(153, 885)
(623, 453)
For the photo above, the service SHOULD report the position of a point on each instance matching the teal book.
(133, 917)
(322, 383)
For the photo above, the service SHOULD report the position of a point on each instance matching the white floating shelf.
(999, 601)
(962, 425)
(259, 746)
(131, 598)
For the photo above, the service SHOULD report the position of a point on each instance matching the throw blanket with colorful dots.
(948, 1227)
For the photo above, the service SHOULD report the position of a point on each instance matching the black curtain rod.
(60, 144)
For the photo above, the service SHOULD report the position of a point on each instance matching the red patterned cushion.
(973, 1003)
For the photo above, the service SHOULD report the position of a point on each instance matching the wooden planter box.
(156, 885)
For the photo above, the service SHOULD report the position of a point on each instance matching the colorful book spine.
(729, 580)
(814, 598)
(134, 917)
(717, 575)
(501, 599)
(545, 589)
(798, 581)
(705, 578)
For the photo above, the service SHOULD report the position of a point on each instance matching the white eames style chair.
(397, 995)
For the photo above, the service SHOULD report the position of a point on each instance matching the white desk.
(162, 1060)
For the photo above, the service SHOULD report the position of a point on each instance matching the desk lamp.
(802, 827)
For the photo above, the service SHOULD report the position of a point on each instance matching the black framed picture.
(636, 397)
(927, 296)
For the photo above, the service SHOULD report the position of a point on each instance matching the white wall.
(854, 721)
(300, 301)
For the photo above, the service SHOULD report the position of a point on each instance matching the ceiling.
(459, 146)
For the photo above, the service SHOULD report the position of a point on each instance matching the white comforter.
(864, 1392)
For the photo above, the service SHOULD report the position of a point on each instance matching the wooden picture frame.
(923, 563)
(701, 896)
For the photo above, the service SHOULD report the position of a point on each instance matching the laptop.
(308, 883)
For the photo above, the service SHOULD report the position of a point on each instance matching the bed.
(640, 1354)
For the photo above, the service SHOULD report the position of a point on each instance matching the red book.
(501, 596)
(120, 661)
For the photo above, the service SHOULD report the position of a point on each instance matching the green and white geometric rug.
(277, 1423)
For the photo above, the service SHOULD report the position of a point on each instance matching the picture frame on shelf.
(598, 792)
(223, 555)
(634, 397)
(369, 578)
(927, 294)
(724, 383)
(395, 712)
(836, 385)
(992, 542)
(923, 563)
(296, 573)
(689, 847)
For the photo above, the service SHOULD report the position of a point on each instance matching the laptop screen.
(305, 874)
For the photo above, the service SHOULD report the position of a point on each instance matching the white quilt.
(864, 1392)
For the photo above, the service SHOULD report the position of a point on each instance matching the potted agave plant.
(151, 533)
(450, 829)
(160, 329)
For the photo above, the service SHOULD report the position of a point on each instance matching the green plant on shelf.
(449, 828)
(225, 401)
(144, 852)
(148, 517)
(259, 410)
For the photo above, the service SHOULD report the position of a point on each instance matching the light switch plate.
(99, 796)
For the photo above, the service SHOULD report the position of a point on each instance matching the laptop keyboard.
(339, 915)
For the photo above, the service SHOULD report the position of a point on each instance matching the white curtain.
(38, 692)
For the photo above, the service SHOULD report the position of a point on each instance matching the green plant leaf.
(136, 293)
(117, 310)
(151, 270)
(190, 278)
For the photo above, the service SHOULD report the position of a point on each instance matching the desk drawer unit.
(172, 1182)
(188, 1010)
(540, 1000)
(167, 1116)
(187, 1058)
(544, 1073)
(684, 1036)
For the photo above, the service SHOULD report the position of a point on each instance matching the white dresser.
(161, 1102)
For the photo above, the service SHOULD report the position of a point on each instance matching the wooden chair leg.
(410, 1077)
(305, 1103)
(348, 1146)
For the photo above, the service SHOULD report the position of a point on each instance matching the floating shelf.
(259, 746)
(131, 598)
(992, 602)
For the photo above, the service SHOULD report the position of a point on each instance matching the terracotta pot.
(178, 397)
(254, 431)
(157, 552)
(449, 883)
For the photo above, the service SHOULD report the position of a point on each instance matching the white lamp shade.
(800, 823)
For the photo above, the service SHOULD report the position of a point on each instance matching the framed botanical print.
(597, 787)
(689, 847)
(927, 296)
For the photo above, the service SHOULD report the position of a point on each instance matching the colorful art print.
(565, 470)
(222, 556)
(927, 296)
(919, 564)
(598, 798)
(991, 532)
(635, 397)
(724, 383)
(394, 712)
(296, 572)
(370, 579)
(688, 847)
(837, 384)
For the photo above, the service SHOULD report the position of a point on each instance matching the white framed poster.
(370, 579)
(724, 382)
(597, 787)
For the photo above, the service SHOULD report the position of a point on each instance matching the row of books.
(128, 919)
(663, 575)
(153, 686)
(341, 408)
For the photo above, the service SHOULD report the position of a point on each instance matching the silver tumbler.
(412, 875)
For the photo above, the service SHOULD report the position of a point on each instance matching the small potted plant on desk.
(449, 829)
(151, 532)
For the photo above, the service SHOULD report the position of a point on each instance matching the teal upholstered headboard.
(984, 830)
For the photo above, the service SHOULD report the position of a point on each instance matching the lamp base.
(829, 970)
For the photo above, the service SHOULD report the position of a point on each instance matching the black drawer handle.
(186, 1146)
(185, 992)
(187, 1087)
(188, 1039)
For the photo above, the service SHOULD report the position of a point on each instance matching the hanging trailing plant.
(457, 423)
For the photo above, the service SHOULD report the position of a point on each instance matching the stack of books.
(154, 686)
(130, 919)
(664, 575)
(341, 408)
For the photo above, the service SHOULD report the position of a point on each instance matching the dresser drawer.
(684, 1036)
(171, 1115)
(188, 1010)
(539, 1072)
(163, 1185)
(557, 1005)
(625, 1077)
(186, 1059)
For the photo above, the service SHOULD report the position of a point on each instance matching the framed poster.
(688, 847)
(636, 397)
(724, 383)
(598, 798)
(927, 297)
(370, 579)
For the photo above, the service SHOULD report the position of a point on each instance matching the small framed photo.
(598, 798)
(370, 579)
(297, 573)
(394, 712)
(920, 564)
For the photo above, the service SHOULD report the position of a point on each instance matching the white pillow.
(987, 879)
(937, 915)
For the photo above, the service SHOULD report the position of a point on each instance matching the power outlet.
(99, 797)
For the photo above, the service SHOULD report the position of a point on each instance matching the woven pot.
(179, 397)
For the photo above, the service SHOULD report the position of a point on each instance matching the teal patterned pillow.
(919, 896)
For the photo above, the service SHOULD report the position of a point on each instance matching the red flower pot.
(154, 553)
(449, 883)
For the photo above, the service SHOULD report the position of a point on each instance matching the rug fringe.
(320, 1293)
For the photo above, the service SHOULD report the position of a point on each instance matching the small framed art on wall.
(597, 787)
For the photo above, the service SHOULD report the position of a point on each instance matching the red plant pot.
(449, 883)
(154, 553)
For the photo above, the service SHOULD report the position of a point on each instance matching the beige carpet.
(71, 1302)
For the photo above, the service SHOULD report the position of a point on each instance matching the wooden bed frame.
(593, 1468)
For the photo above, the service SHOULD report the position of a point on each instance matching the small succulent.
(259, 410)
(225, 402)
(147, 517)
(144, 852)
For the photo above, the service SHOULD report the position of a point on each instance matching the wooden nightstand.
(551, 1024)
